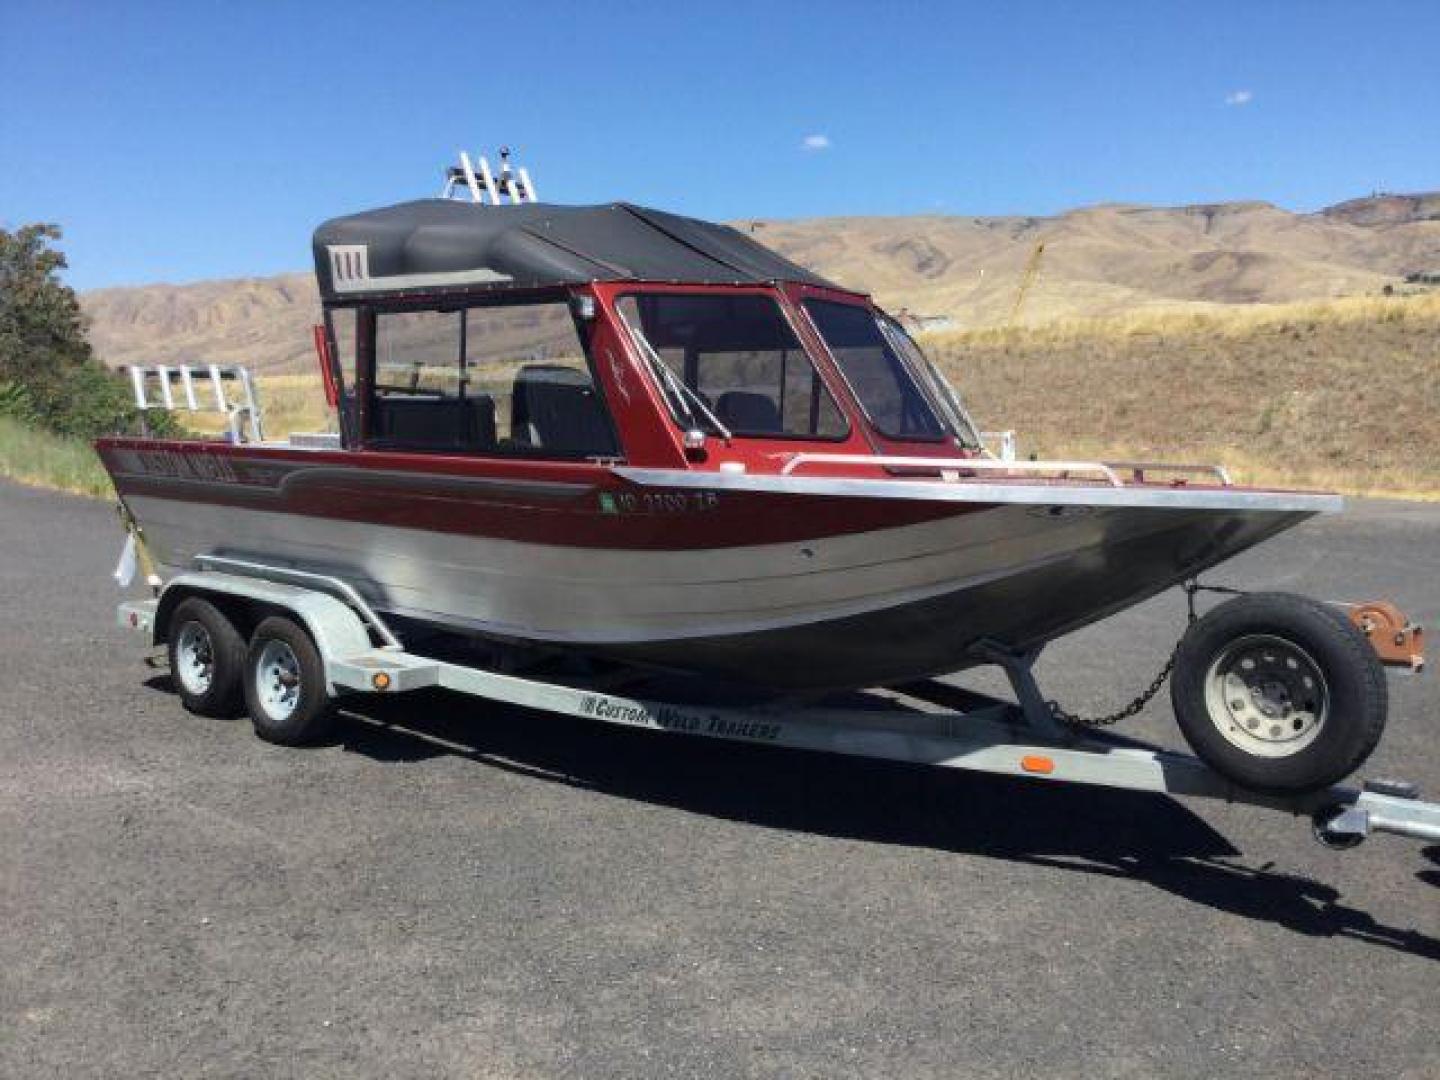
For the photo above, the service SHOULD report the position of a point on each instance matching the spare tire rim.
(277, 679)
(1267, 695)
(194, 658)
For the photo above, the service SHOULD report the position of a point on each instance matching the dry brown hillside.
(262, 322)
(1341, 394)
(1099, 261)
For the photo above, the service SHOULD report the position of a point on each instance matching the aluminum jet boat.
(613, 432)
(642, 436)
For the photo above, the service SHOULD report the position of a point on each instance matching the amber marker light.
(1037, 764)
(380, 680)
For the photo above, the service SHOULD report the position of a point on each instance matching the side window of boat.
(419, 384)
(504, 379)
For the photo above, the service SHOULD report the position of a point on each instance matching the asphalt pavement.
(456, 890)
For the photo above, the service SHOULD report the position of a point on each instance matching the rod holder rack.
(224, 388)
(473, 181)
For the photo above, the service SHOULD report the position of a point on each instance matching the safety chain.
(1191, 587)
(1128, 711)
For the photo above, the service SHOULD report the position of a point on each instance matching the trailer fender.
(338, 631)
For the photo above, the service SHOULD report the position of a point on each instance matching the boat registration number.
(658, 502)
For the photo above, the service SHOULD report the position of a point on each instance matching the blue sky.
(217, 135)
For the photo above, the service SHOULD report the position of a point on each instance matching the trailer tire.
(285, 684)
(207, 659)
(1279, 693)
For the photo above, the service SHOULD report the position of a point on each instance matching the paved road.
(451, 890)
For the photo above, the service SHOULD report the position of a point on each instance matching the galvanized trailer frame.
(362, 654)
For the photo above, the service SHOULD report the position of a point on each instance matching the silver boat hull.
(859, 609)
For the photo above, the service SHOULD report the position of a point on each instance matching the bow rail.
(951, 469)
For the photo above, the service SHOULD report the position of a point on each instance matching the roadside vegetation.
(54, 394)
(35, 456)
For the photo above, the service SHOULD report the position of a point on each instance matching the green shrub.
(88, 401)
(15, 403)
(48, 375)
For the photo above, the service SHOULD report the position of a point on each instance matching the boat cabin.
(609, 333)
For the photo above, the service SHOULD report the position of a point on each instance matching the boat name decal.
(671, 718)
(186, 466)
(210, 468)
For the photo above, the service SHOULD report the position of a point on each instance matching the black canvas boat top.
(442, 245)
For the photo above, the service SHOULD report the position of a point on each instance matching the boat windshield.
(904, 397)
(731, 365)
(941, 392)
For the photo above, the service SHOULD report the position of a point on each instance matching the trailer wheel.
(285, 684)
(207, 659)
(1279, 693)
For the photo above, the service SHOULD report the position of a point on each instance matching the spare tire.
(1279, 693)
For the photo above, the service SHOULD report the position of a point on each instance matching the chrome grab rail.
(956, 465)
(1139, 468)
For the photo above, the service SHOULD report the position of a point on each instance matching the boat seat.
(556, 409)
(741, 410)
(432, 423)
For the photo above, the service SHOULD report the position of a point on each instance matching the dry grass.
(33, 456)
(1342, 394)
(295, 403)
(1421, 306)
(287, 403)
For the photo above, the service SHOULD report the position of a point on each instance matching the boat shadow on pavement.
(1141, 836)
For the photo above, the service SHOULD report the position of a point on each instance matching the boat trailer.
(361, 654)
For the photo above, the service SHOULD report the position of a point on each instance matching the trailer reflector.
(1037, 763)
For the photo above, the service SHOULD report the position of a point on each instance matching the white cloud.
(813, 143)
(1239, 97)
